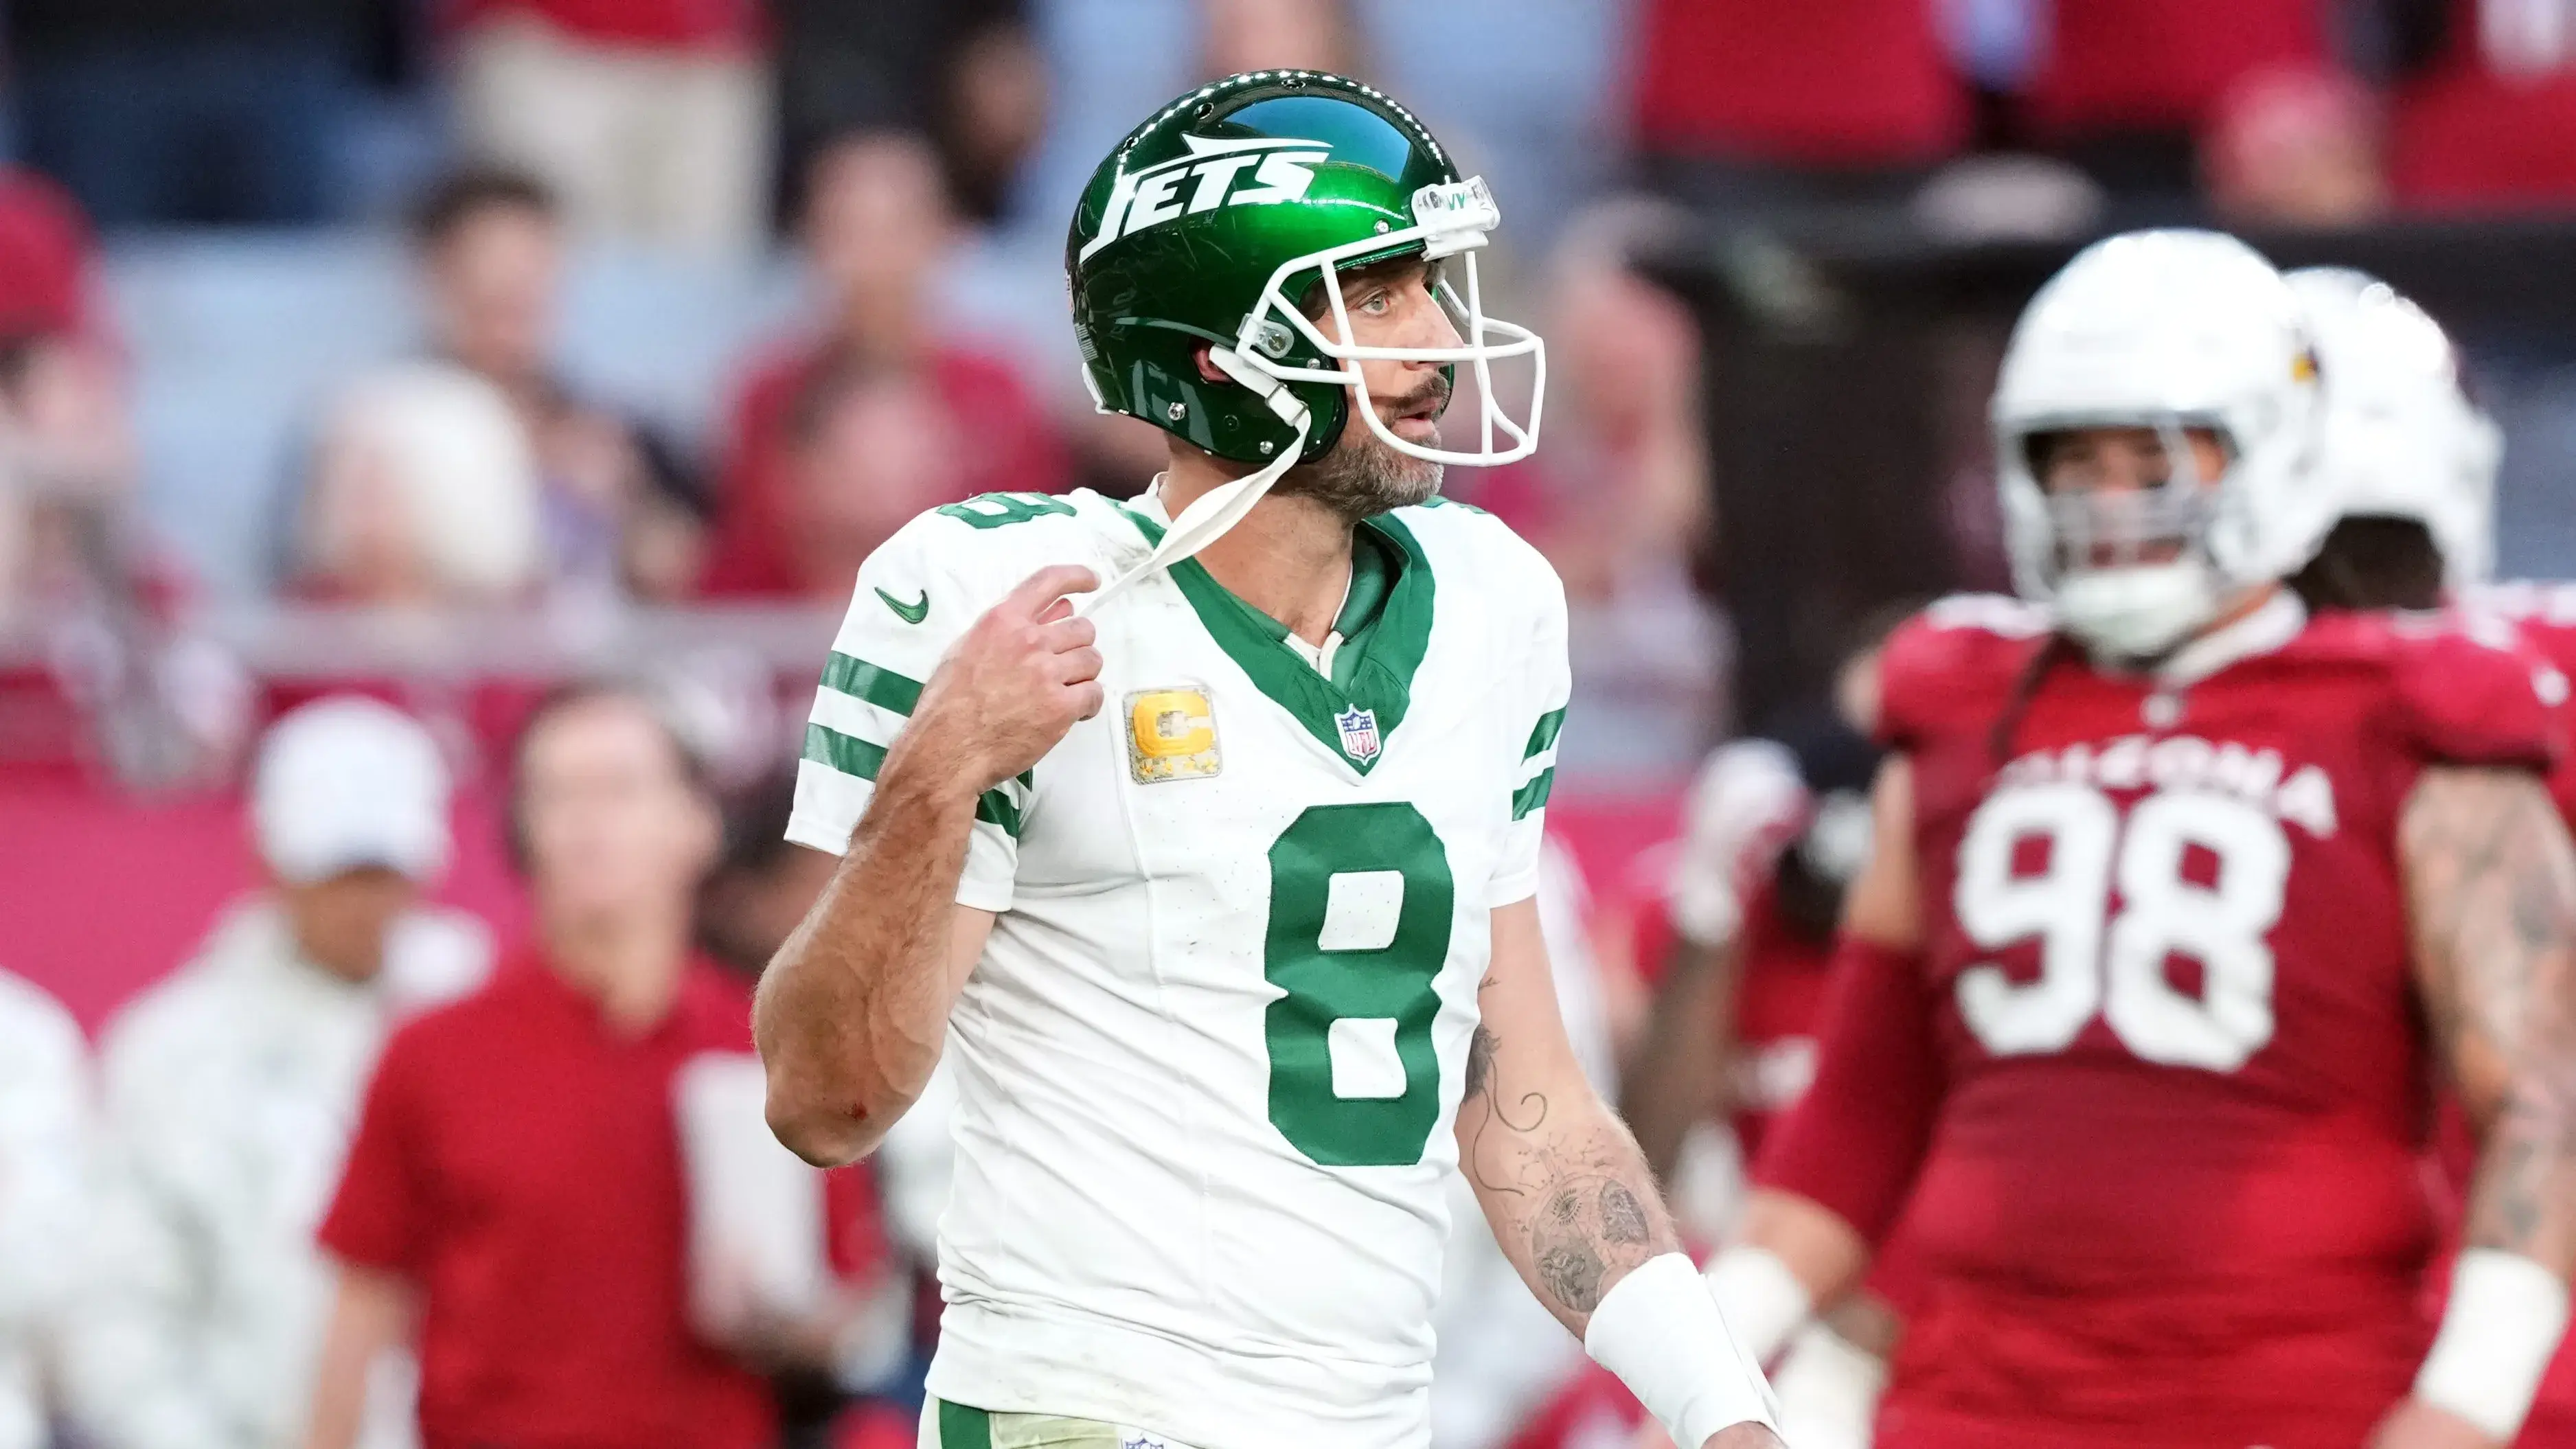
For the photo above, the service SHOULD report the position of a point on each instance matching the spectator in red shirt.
(2123, 86)
(878, 229)
(2489, 123)
(1752, 101)
(518, 1188)
(651, 117)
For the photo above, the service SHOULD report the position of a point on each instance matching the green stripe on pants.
(963, 1428)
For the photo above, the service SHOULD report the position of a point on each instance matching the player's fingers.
(1057, 636)
(1077, 666)
(1041, 590)
(1087, 699)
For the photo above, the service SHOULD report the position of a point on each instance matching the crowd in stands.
(542, 202)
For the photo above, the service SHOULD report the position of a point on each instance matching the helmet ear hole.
(1208, 370)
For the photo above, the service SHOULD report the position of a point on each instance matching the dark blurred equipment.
(189, 111)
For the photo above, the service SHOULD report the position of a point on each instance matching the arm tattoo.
(1574, 1188)
(2491, 892)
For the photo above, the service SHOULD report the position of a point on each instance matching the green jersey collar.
(1385, 626)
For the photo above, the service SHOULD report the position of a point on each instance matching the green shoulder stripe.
(852, 756)
(1531, 796)
(1545, 734)
(877, 685)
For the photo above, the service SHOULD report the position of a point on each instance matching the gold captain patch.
(1171, 735)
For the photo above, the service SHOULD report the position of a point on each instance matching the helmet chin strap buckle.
(1262, 384)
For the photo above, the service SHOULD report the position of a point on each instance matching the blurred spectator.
(762, 885)
(44, 1128)
(232, 1089)
(2488, 119)
(517, 1199)
(967, 74)
(650, 117)
(2295, 148)
(1241, 35)
(188, 111)
(2123, 87)
(122, 683)
(1620, 497)
(1829, 104)
(424, 491)
(878, 230)
(482, 474)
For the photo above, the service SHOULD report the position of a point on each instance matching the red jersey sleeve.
(376, 1218)
(1854, 1142)
(1948, 667)
(2471, 691)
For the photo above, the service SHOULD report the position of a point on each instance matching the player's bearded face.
(1360, 476)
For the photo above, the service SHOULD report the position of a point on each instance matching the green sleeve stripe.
(995, 808)
(1534, 794)
(883, 688)
(878, 686)
(825, 745)
(848, 754)
(963, 1428)
(1544, 734)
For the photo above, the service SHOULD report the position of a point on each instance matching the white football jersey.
(1208, 1064)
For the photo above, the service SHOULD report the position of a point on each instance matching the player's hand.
(1744, 1436)
(1651, 1435)
(1011, 686)
(2414, 1424)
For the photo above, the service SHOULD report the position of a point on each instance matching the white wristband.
(1658, 1329)
(2506, 1316)
(1763, 1301)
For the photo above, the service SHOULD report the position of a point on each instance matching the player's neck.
(1290, 557)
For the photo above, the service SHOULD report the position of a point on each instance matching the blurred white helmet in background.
(2401, 438)
(2168, 330)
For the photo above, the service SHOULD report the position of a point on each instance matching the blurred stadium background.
(443, 350)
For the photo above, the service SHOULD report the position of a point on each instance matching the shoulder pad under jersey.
(1953, 666)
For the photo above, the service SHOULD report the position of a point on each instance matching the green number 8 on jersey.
(1360, 899)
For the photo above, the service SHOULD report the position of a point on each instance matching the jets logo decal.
(1259, 171)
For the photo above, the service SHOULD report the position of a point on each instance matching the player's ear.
(1208, 370)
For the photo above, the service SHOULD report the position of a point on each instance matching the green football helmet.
(1214, 219)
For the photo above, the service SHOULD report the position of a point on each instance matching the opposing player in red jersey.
(2178, 901)
(2412, 463)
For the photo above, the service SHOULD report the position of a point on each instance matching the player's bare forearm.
(1561, 1181)
(2491, 894)
(851, 1013)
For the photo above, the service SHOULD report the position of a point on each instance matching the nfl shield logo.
(1359, 733)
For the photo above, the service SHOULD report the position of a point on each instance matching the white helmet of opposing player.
(2401, 438)
(2172, 331)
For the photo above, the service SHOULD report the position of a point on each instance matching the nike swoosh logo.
(912, 613)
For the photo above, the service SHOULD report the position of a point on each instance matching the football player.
(2177, 898)
(1217, 885)
(2411, 462)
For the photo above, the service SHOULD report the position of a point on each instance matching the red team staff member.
(2178, 899)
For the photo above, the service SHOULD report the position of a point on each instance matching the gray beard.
(1361, 477)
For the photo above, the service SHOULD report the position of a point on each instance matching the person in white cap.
(232, 1087)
